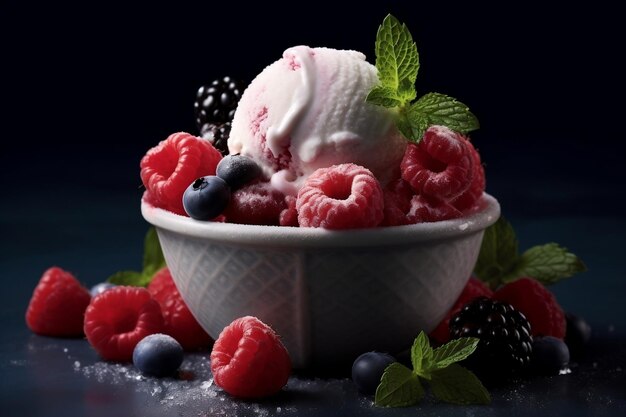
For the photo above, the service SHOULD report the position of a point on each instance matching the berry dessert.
(321, 142)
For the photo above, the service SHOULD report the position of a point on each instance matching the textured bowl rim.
(301, 237)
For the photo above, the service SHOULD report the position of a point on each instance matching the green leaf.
(421, 355)
(383, 96)
(440, 109)
(455, 384)
(412, 124)
(498, 253)
(397, 60)
(152, 262)
(132, 278)
(399, 387)
(454, 351)
(153, 259)
(547, 264)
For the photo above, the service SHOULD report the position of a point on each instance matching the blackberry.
(505, 345)
(216, 103)
(218, 135)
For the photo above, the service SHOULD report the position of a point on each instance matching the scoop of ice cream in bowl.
(356, 240)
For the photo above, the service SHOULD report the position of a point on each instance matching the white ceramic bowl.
(331, 295)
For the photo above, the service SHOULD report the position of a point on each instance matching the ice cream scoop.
(308, 111)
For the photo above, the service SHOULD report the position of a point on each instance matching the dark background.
(87, 89)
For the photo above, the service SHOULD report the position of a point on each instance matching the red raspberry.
(342, 196)
(430, 209)
(256, 203)
(397, 196)
(169, 168)
(248, 359)
(473, 289)
(289, 215)
(469, 198)
(58, 305)
(178, 321)
(119, 318)
(538, 305)
(440, 165)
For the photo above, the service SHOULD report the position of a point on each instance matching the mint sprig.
(153, 260)
(449, 382)
(397, 62)
(499, 261)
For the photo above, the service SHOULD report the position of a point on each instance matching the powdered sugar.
(194, 389)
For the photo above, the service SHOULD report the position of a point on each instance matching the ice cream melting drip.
(278, 135)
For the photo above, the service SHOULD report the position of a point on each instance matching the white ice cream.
(308, 110)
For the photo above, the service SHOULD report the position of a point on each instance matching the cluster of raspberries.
(440, 178)
(248, 360)
(115, 320)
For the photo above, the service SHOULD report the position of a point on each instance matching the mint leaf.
(152, 254)
(454, 351)
(547, 264)
(421, 355)
(455, 384)
(397, 62)
(498, 253)
(412, 123)
(383, 96)
(153, 261)
(499, 261)
(399, 387)
(132, 278)
(440, 109)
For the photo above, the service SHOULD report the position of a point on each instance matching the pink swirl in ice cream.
(308, 111)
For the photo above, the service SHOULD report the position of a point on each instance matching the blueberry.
(206, 198)
(158, 355)
(550, 355)
(577, 334)
(238, 170)
(100, 288)
(368, 369)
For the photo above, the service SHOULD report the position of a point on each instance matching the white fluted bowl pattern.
(330, 295)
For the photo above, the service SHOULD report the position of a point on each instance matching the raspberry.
(178, 321)
(169, 168)
(431, 209)
(505, 345)
(58, 305)
(469, 198)
(248, 359)
(289, 215)
(537, 303)
(342, 196)
(473, 289)
(397, 195)
(118, 319)
(256, 203)
(440, 165)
